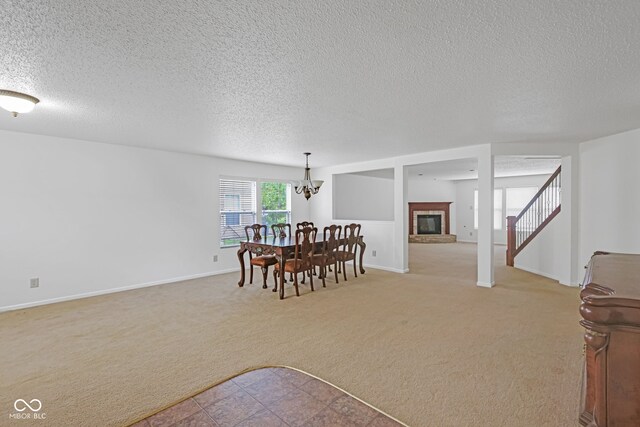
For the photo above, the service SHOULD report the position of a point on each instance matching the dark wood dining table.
(283, 248)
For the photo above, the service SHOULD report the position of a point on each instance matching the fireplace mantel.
(429, 206)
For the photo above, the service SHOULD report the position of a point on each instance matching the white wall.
(464, 202)
(610, 194)
(87, 218)
(377, 234)
(388, 238)
(421, 189)
(362, 197)
(544, 255)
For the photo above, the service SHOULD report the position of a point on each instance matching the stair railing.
(542, 208)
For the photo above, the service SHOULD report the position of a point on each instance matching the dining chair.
(349, 248)
(327, 256)
(304, 224)
(301, 262)
(254, 232)
(300, 226)
(281, 230)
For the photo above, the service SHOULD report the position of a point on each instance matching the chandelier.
(307, 186)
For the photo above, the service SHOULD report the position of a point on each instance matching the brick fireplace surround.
(421, 208)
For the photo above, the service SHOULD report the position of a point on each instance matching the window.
(241, 205)
(276, 203)
(497, 209)
(237, 209)
(518, 198)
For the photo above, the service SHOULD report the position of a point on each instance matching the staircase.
(544, 206)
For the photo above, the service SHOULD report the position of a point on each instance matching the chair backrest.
(253, 231)
(351, 235)
(304, 224)
(331, 238)
(280, 230)
(305, 242)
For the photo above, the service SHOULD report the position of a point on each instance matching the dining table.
(283, 248)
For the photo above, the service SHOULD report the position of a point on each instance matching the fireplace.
(429, 224)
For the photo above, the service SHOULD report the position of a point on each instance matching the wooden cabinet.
(610, 312)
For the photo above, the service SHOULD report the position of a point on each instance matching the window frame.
(500, 198)
(257, 203)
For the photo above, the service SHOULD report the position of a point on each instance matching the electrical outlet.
(35, 282)
(215, 258)
(373, 253)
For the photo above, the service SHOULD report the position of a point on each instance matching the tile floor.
(270, 397)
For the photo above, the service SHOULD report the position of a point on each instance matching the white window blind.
(518, 198)
(237, 210)
(497, 209)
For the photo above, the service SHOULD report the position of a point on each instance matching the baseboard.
(486, 284)
(475, 242)
(114, 290)
(391, 269)
(538, 272)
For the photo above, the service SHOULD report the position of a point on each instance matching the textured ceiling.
(346, 80)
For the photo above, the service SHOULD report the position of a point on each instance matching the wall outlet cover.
(35, 282)
(215, 258)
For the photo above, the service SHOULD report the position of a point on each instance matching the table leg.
(363, 247)
(282, 259)
(241, 252)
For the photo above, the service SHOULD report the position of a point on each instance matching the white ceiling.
(346, 80)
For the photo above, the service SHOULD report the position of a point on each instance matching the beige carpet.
(429, 347)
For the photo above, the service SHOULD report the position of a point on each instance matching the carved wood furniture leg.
(363, 246)
(265, 270)
(282, 257)
(595, 354)
(295, 283)
(241, 252)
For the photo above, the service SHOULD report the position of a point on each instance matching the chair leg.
(323, 272)
(311, 282)
(335, 271)
(251, 276)
(355, 273)
(295, 284)
(275, 279)
(344, 270)
(265, 271)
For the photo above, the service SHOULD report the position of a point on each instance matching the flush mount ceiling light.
(307, 186)
(16, 102)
